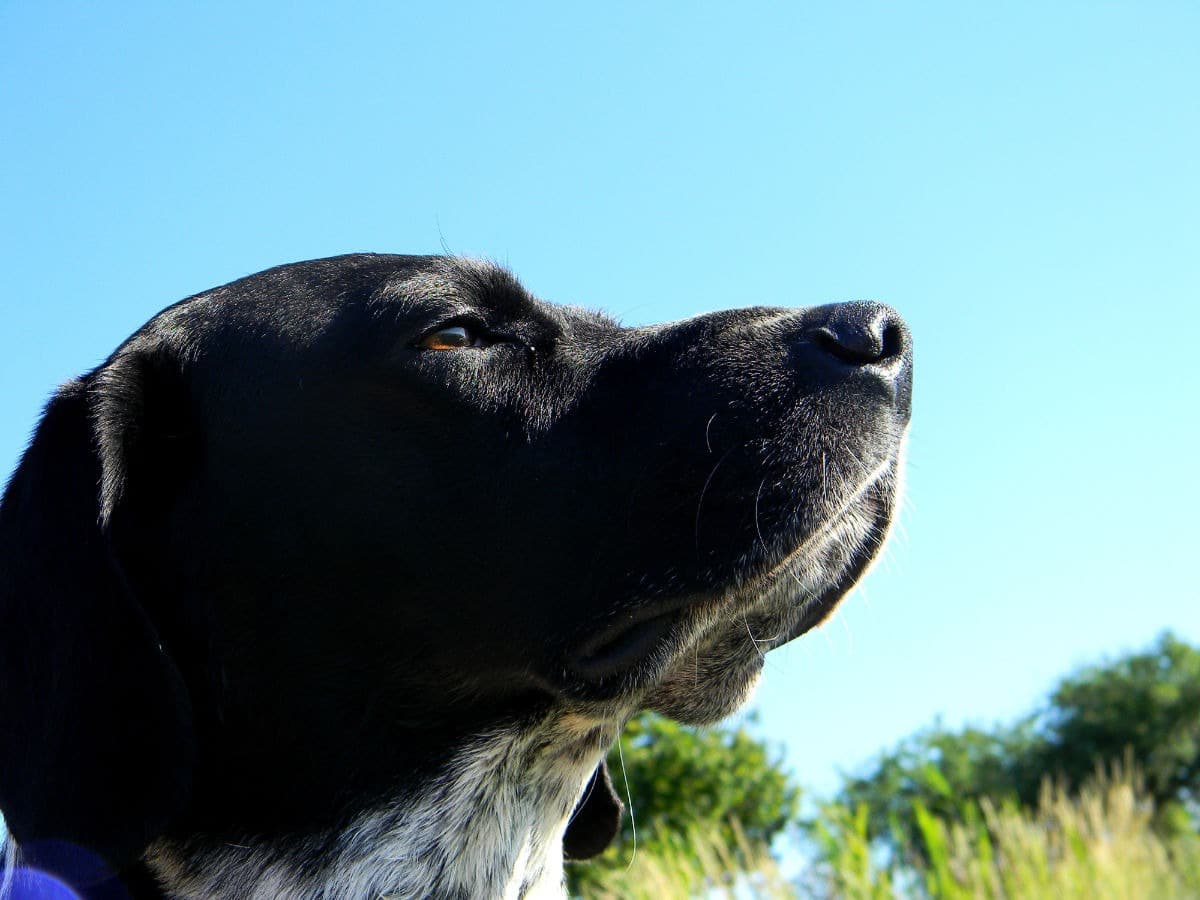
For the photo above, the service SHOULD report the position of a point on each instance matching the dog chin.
(715, 673)
(709, 689)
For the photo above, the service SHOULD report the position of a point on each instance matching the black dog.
(339, 580)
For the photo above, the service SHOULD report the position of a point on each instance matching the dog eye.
(456, 337)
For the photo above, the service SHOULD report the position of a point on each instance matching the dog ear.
(596, 819)
(96, 743)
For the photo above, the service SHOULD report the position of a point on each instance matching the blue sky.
(1020, 180)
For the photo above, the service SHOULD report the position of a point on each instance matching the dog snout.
(864, 334)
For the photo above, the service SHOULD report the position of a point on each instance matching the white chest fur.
(489, 826)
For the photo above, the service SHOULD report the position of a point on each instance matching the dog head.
(300, 534)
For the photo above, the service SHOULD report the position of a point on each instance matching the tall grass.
(1098, 844)
(696, 864)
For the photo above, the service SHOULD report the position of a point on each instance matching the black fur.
(273, 560)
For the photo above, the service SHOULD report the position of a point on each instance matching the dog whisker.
(845, 622)
(629, 803)
(824, 479)
(757, 525)
(703, 491)
(753, 641)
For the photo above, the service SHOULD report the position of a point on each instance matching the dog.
(340, 580)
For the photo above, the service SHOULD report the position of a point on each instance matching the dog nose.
(864, 334)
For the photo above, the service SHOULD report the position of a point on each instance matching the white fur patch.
(491, 825)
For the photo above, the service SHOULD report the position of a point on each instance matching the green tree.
(1143, 708)
(675, 777)
(1146, 705)
(938, 770)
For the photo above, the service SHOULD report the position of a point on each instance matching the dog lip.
(622, 645)
(824, 605)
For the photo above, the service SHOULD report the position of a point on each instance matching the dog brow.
(497, 288)
(468, 281)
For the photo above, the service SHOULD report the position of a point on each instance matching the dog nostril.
(862, 333)
(893, 341)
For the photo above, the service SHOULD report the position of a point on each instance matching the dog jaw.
(714, 669)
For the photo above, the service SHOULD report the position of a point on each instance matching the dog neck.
(490, 825)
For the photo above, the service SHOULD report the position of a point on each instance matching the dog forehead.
(299, 303)
(289, 308)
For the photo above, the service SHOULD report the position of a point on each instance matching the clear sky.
(1021, 180)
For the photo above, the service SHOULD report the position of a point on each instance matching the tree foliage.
(1143, 708)
(938, 770)
(1147, 704)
